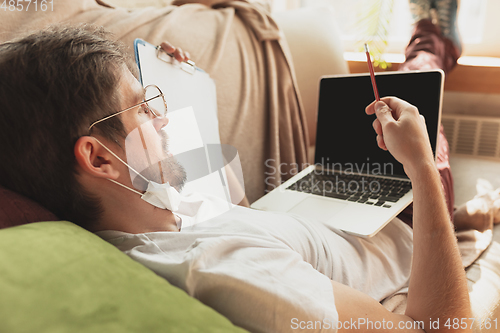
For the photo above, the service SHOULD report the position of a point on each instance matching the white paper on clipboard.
(191, 98)
(181, 89)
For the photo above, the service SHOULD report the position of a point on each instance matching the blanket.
(473, 246)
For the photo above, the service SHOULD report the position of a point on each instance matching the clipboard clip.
(187, 66)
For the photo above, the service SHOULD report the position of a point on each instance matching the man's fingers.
(394, 103)
(384, 113)
(178, 53)
(381, 142)
(370, 109)
(384, 116)
(377, 126)
(380, 136)
(167, 47)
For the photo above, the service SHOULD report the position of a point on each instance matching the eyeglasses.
(154, 102)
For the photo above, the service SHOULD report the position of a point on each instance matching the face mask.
(162, 196)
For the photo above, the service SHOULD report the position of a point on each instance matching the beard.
(175, 173)
(171, 170)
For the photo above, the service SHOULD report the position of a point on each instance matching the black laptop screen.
(345, 138)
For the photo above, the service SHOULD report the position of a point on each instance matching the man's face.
(146, 145)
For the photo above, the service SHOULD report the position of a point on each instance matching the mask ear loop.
(119, 159)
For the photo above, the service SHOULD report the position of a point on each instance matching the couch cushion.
(58, 277)
(16, 210)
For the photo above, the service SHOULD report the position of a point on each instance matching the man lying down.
(69, 100)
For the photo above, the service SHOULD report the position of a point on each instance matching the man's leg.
(438, 47)
(430, 49)
(433, 46)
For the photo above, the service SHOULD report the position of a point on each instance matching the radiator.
(473, 135)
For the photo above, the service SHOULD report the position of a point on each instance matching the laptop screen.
(345, 139)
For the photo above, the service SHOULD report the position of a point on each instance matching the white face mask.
(162, 196)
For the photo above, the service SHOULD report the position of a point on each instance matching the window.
(477, 23)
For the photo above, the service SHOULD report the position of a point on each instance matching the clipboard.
(188, 91)
(183, 85)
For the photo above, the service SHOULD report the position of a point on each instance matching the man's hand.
(178, 53)
(401, 130)
(438, 286)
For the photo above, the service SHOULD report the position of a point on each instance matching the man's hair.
(54, 84)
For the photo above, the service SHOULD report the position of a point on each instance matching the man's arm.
(360, 313)
(236, 187)
(438, 287)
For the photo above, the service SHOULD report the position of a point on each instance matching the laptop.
(354, 185)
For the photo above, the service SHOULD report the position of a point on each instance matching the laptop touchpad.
(318, 208)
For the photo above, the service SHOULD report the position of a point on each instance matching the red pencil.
(372, 73)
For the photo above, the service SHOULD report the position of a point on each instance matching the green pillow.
(58, 277)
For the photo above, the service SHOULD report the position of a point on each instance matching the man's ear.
(94, 159)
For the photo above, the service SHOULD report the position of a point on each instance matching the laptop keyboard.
(357, 188)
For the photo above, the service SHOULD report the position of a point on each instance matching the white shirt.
(270, 272)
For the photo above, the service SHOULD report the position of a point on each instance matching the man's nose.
(160, 122)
